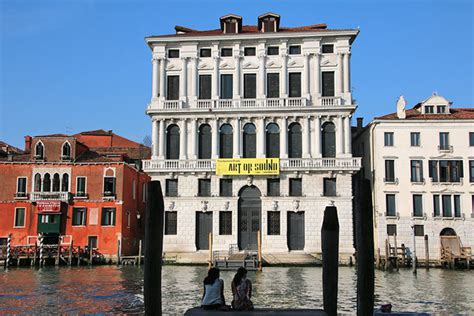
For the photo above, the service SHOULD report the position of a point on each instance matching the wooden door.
(250, 209)
(295, 230)
(203, 228)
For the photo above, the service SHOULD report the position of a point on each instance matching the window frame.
(173, 51)
(112, 210)
(325, 49)
(415, 138)
(201, 50)
(273, 228)
(201, 187)
(392, 226)
(417, 200)
(223, 182)
(167, 187)
(327, 188)
(226, 50)
(225, 228)
(291, 188)
(276, 182)
(471, 139)
(18, 193)
(297, 47)
(83, 218)
(388, 139)
(85, 186)
(416, 171)
(388, 210)
(249, 49)
(273, 50)
(114, 183)
(15, 217)
(173, 229)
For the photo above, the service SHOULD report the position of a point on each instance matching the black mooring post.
(330, 249)
(153, 248)
(365, 251)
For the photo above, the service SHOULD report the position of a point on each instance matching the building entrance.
(249, 213)
(203, 228)
(295, 230)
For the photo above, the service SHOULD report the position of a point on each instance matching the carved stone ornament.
(204, 206)
(401, 103)
(171, 206)
(296, 205)
(275, 205)
(249, 181)
(226, 205)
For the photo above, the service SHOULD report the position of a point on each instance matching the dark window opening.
(204, 187)
(272, 141)
(391, 229)
(21, 187)
(273, 223)
(205, 52)
(226, 52)
(249, 141)
(296, 187)
(250, 51)
(204, 142)
(173, 88)
(328, 48)
(272, 50)
(250, 86)
(205, 87)
(389, 170)
(417, 205)
(225, 223)
(329, 140)
(388, 139)
(173, 53)
(79, 216)
(226, 86)
(295, 50)
(226, 141)
(329, 187)
(171, 187)
(172, 142)
(390, 205)
(225, 187)
(328, 83)
(295, 84)
(171, 223)
(81, 186)
(273, 187)
(108, 216)
(294, 141)
(20, 217)
(273, 85)
(419, 230)
(109, 186)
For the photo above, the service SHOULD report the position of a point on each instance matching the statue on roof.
(401, 103)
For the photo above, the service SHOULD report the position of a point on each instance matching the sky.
(68, 66)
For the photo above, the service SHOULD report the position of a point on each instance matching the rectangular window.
(433, 170)
(230, 27)
(205, 87)
(171, 187)
(443, 141)
(269, 25)
(144, 192)
(471, 139)
(471, 170)
(109, 186)
(390, 205)
(295, 50)
(328, 49)
(225, 187)
(273, 223)
(21, 187)
(108, 216)
(20, 217)
(134, 190)
(295, 187)
(250, 51)
(272, 50)
(226, 52)
(81, 186)
(436, 208)
(295, 84)
(173, 88)
(429, 109)
(250, 86)
(204, 187)
(419, 230)
(173, 53)
(329, 186)
(441, 109)
(388, 139)
(171, 223)
(92, 242)
(226, 86)
(391, 229)
(273, 85)
(79, 216)
(446, 170)
(415, 139)
(273, 187)
(447, 206)
(389, 170)
(457, 206)
(225, 223)
(205, 52)
(417, 205)
(328, 83)
(416, 170)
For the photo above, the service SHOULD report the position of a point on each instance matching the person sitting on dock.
(242, 291)
(213, 296)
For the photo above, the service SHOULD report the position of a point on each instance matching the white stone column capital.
(155, 60)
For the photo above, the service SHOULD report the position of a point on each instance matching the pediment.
(273, 64)
(205, 66)
(294, 64)
(328, 63)
(173, 67)
(226, 66)
(446, 156)
(250, 65)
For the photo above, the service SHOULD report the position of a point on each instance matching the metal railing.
(50, 196)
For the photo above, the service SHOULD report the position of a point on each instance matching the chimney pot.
(28, 143)
(360, 122)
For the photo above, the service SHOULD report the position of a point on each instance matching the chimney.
(27, 143)
(9, 153)
(360, 123)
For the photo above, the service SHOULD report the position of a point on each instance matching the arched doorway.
(249, 217)
(448, 232)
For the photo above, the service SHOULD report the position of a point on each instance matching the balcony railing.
(233, 103)
(21, 196)
(50, 196)
(288, 164)
(331, 101)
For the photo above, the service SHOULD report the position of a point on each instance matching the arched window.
(329, 140)
(56, 182)
(39, 150)
(37, 182)
(47, 183)
(66, 151)
(226, 141)
(172, 142)
(273, 141)
(294, 140)
(249, 141)
(65, 183)
(204, 142)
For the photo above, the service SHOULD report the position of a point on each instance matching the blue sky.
(74, 65)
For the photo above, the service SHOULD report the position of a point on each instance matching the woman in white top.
(242, 291)
(213, 297)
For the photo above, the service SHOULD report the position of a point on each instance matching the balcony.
(445, 148)
(287, 164)
(50, 196)
(21, 196)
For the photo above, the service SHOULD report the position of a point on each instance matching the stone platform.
(197, 311)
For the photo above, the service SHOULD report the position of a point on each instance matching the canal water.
(111, 289)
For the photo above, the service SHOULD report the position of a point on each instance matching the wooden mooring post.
(414, 250)
(330, 249)
(56, 263)
(139, 252)
(210, 251)
(70, 254)
(427, 253)
(118, 251)
(259, 250)
(379, 266)
(78, 255)
(153, 248)
(33, 263)
(387, 254)
(396, 251)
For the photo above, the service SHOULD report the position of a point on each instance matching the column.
(306, 137)
(183, 148)
(347, 135)
(215, 138)
(339, 75)
(317, 74)
(284, 76)
(236, 92)
(339, 137)
(317, 137)
(154, 79)
(162, 78)
(215, 79)
(261, 138)
(193, 153)
(183, 81)
(236, 135)
(161, 141)
(154, 139)
(305, 75)
(284, 137)
(347, 87)
(261, 77)
(194, 80)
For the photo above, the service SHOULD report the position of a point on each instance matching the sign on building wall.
(94, 216)
(248, 166)
(48, 206)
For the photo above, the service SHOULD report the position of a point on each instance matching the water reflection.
(120, 289)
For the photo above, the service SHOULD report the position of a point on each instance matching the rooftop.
(415, 114)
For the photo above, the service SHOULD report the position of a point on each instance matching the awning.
(48, 207)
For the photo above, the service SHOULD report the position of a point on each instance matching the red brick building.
(88, 186)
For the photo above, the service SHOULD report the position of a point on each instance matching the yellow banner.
(248, 166)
